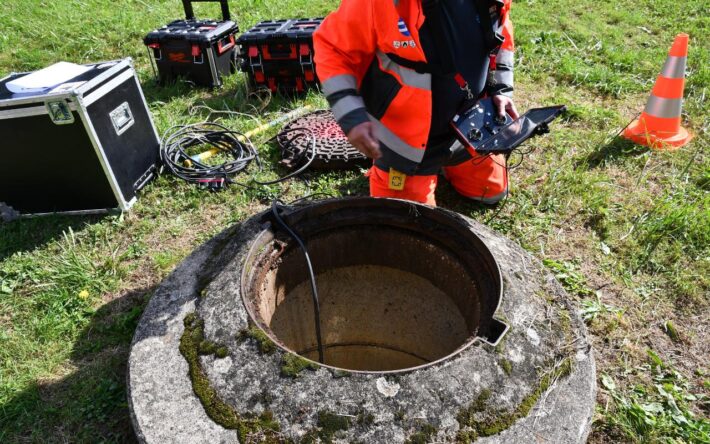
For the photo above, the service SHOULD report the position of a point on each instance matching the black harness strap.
(420, 67)
(439, 34)
(488, 13)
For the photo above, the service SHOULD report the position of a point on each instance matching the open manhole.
(226, 350)
(393, 296)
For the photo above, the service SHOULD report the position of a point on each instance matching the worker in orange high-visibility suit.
(383, 67)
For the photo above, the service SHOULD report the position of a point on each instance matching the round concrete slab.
(538, 385)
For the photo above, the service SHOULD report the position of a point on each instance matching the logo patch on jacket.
(404, 44)
(403, 28)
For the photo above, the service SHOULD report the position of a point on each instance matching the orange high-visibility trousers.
(484, 179)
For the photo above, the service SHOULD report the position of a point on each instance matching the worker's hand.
(363, 138)
(505, 104)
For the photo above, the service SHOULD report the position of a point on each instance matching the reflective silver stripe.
(505, 57)
(346, 105)
(674, 68)
(490, 200)
(393, 142)
(409, 76)
(23, 112)
(665, 108)
(339, 83)
(503, 77)
(29, 112)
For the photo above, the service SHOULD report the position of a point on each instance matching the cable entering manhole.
(314, 289)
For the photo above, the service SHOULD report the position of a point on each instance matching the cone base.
(637, 133)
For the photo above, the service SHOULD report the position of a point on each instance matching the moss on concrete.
(189, 318)
(206, 347)
(466, 436)
(426, 434)
(262, 429)
(565, 323)
(328, 425)
(221, 352)
(341, 374)
(507, 366)
(467, 415)
(476, 420)
(190, 343)
(292, 365)
(192, 346)
(500, 348)
(265, 344)
(480, 420)
(365, 418)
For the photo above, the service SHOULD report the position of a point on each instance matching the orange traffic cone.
(659, 124)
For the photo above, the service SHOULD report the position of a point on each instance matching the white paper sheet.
(46, 78)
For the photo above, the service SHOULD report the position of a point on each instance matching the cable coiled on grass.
(178, 139)
(213, 136)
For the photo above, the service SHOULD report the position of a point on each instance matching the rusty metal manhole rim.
(268, 234)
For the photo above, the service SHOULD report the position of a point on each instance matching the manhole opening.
(391, 298)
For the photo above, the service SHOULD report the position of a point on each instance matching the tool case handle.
(190, 14)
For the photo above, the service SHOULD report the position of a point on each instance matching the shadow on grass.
(356, 184)
(90, 404)
(447, 197)
(253, 103)
(27, 234)
(211, 103)
(617, 149)
(156, 92)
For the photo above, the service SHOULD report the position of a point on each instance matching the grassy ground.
(625, 229)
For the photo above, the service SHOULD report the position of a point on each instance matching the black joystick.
(475, 135)
(499, 120)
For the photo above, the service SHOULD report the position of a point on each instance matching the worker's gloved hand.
(505, 104)
(363, 138)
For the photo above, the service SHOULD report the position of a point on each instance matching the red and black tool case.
(278, 55)
(201, 51)
(85, 146)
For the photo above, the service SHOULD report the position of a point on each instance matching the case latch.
(59, 112)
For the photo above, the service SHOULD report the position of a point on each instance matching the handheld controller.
(482, 131)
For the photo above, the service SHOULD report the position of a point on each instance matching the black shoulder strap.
(487, 11)
(435, 22)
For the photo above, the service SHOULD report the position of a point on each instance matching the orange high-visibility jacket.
(356, 72)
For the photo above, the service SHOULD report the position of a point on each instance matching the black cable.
(180, 138)
(309, 160)
(507, 195)
(311, 274)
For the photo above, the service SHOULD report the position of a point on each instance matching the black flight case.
(201, 51)
(278, 55)
(85, 146)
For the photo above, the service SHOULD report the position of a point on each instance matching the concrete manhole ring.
(409, 297)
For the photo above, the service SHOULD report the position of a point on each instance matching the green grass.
(627, 230)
